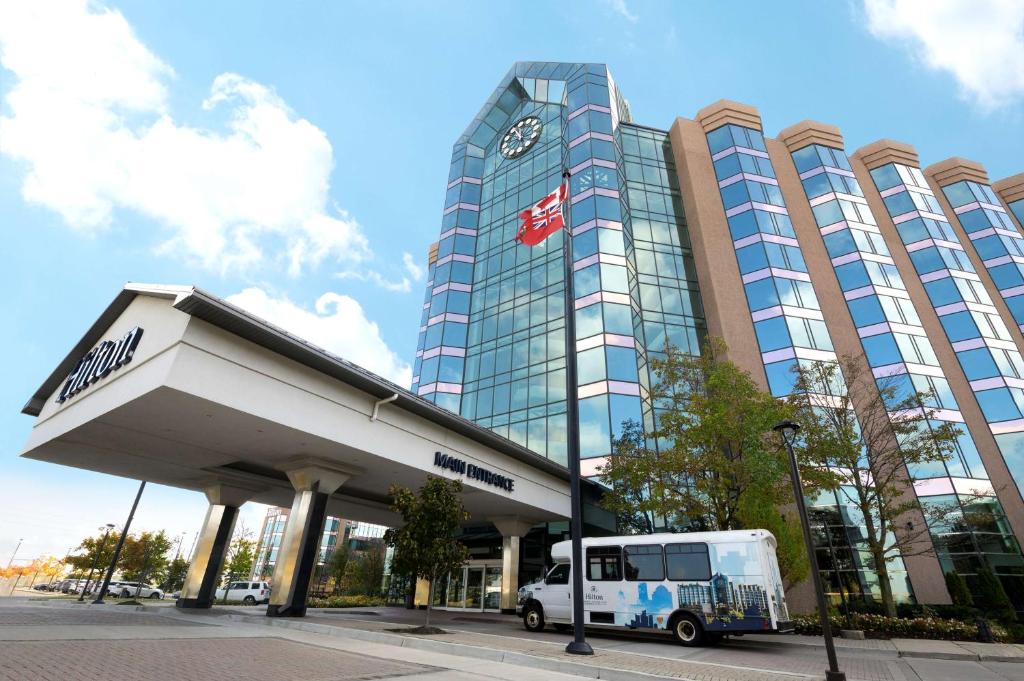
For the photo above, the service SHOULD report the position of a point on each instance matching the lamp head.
(786, 425)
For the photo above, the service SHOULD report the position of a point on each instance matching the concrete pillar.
(314, 481)
(204, 569)
(512, 529)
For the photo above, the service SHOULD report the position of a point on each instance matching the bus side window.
(558, 575)
(604, 564)
(688, 562)
(644, 563)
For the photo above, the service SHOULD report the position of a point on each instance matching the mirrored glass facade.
(681, 233)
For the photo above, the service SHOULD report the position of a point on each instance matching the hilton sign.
(106, 357)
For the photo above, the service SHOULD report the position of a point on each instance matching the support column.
(206, 562)
(512, 529)
(314, 481)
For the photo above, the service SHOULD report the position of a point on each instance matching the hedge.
(880, 626)
(346, 602)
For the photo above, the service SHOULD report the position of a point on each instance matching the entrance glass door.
(474, 588)
(457, 589)
(492, 589)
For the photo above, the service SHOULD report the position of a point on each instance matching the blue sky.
(294, 156)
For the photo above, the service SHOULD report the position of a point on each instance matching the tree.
(241, 557)
(366, 570)
(425, 545)
(176, 572)
(144, 557)
(88, 550)
(864, 436)
(337, 565)
(716, 464)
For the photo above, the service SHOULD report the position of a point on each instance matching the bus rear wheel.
(688, 630)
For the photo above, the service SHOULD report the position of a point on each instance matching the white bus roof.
(562, 549)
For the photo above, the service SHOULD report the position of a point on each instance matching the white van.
(698, 585)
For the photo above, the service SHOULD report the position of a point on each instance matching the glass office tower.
(787, 248)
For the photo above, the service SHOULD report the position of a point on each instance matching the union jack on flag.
(544, 218)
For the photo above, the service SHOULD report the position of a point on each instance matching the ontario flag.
(544, 218)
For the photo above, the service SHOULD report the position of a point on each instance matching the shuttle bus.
(699, 586)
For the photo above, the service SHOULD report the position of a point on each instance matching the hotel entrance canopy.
(178, 387)
(213, 393)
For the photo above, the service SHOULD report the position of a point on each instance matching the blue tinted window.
(912, 231)
(852, 275)
(772, 334)
(752, 258)
(881, 350)
(761, 294)
(1006, 276)
(959, 326)
(943, 292)
(1011, 445)
(866, 311)
(780, 377)
(973, 220)
(997, 405)
(719, 140)
(839, 243)
(989, 247)
(898, 204)
(886, 177)
(1016, 305)
(927, 260)
(977, 364)
(805, 159)
(743, 225)
(958, 194)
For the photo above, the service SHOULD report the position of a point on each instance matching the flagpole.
(579, 645)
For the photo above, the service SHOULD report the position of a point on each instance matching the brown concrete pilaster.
(721, 286)
(948, 172)
(924, 570)
(862, 161)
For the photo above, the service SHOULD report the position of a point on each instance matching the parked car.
(247, 592)
(41, 587)
(129, 589)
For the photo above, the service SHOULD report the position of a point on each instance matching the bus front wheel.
(533, 618)
(687, 630)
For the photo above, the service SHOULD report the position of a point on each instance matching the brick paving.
(248, 659)
(30, 616)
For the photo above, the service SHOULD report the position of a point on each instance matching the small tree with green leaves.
(144, 557)
(425, 545)
(337, 564)
(863, 433)
(176, 572)
(366, 570)
(992, 598)
(88, 551)
(241, 557)
(717, 464)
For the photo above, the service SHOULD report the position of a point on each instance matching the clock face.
(520, 137)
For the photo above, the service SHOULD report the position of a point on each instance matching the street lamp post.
(120, 545)
(15, 552)
(788, 429)
(108, 527)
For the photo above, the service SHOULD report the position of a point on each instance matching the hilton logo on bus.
(106, 357)
(473, 472)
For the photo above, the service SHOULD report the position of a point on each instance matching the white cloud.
(403, 285)
(979, 42)
(88, 116)
(338, 325)
(622, 9)
(414, 270)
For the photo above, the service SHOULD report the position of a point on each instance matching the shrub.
(992, 597)
(958, 591)
(346, 602)
(880, 626)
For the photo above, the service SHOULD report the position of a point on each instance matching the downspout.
(376, 405)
